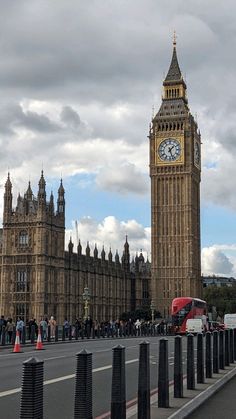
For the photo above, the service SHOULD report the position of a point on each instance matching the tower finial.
(174, 39)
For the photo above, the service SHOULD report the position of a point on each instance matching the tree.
(223, 298)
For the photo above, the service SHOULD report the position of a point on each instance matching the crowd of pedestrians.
(82, 327)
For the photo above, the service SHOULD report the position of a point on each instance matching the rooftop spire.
(174, 39)
(174, 73)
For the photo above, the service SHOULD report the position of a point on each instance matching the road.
(59, 368)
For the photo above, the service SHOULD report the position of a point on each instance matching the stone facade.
(175, 168)
(39, 278)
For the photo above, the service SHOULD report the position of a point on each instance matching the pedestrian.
(2, 323)
(137, 327)
(52, 324)
(9, 329)
(66, 327)
(44, 327)
(19, 327)
(88, 326)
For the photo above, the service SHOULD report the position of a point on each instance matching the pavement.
(189, 406)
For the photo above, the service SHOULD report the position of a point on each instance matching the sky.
(78, 83)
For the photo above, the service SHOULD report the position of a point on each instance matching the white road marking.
(63, 378)
(55, 357)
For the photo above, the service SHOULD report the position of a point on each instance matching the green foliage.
(223, 298)
(143, 313)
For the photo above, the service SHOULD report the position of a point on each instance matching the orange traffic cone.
(39, 344)
(17, 343)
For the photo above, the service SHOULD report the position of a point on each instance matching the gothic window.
(21, 281)
(22, 310)
(23, 238)
(145, 289)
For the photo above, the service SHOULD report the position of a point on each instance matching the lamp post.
(86, 298)
(152, 306)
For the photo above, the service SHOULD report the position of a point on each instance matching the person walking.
(9, 329)
(44, 327)
(66, 327)
(52, 324)
(19, 327)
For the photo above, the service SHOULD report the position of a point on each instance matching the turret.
(103, 254)
(117, 258)
(42, 191)
(61, 200)
(126, 255)
(87, 251)
(70, 246)
(95, 252)
(29, 193)
(110, 256)
(79, 249)
(51, 205)
(7, 199)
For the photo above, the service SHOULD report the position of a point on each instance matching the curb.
(197, 401)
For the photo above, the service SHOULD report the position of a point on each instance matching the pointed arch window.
(23, 238)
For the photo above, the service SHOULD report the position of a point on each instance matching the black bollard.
(227, 347)
(70, 332)
(93, 333)
(231, 346)
(32, 334)
(178, 368)
(83, 386)
(208, 356)
(23, 336)
(49, 333)
(163, 374)
(144, 382)
(200, 359)
(56, 333)
(190, 363)
(118, 390)
(31, 405)
(235, 344)
(215, 352)
(98, 332)
(82, 333)
(222, 350)
(63, 337)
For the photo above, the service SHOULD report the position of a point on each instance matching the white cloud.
(111, 232)
(215, 261)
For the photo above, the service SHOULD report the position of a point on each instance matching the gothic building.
(175, 168)
(39, 278)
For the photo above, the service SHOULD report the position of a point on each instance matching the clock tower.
(175, 170)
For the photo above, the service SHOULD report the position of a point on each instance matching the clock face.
(169, 150)
(196, 152)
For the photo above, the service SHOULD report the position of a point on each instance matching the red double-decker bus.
(184, 308)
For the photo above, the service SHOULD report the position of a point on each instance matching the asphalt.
(212, 400)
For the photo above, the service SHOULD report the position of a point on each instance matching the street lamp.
(86, 298)
(152, 307)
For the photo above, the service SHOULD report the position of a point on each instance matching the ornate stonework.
(175, 167)
(39, 278)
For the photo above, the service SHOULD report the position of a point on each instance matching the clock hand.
(170, 150)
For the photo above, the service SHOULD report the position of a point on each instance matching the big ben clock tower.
(175, 169)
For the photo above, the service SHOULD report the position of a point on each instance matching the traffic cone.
(17, 343)
(39, 344)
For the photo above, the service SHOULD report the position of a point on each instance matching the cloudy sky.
(78, 81)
